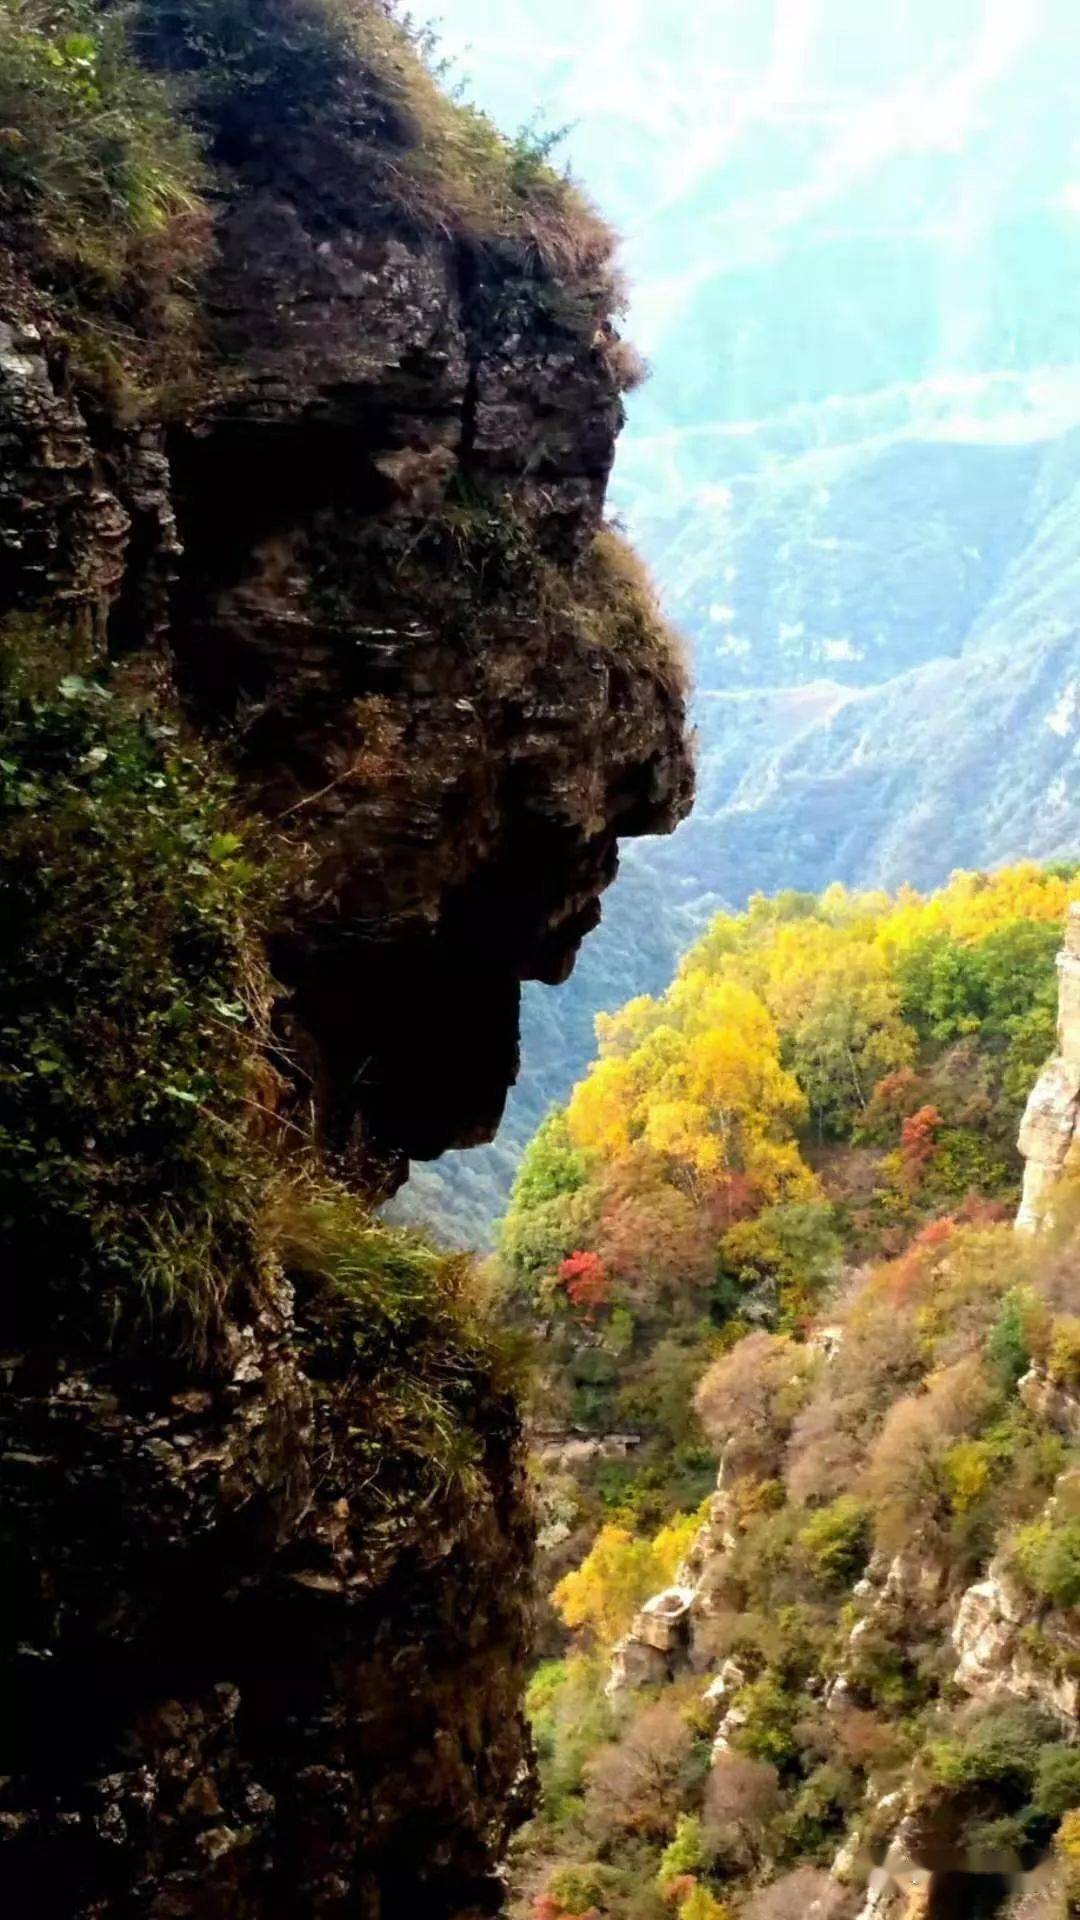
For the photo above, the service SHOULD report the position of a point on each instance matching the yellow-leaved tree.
(698, 1080)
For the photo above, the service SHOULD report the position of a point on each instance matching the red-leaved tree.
(587, 1285)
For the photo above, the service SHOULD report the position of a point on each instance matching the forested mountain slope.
(855, 465)
(772, 1233)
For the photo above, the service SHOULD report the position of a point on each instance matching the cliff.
(326, 697)
(1049, 1132)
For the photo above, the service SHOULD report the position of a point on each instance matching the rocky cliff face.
(373, 552)
(362, 557)
(1050, 1133)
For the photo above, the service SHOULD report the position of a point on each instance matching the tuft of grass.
(612, 601)
(463, 173)
(381, 1304)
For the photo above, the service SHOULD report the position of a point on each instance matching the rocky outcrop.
(1049, 1400)
(670, 1633)
(363, 553)
(369, 543)
(1005, 1647)
(230, 1692)
(1050, 1130)
(657, 1642)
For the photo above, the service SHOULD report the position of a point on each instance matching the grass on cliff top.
(104, 112)
(352, 71)
(616, 603)
(100, 185)
(464, 171)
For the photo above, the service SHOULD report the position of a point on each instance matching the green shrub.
(1007, 1347)
(1057, 1780)
(571, 1718)
(1048, 1556)
(989, 1840)
(580, 1889)
(1063, 1361)
(769, 1729)
(684, 1854)
(819, 1812)
(1000, 1747)
(836, 1540)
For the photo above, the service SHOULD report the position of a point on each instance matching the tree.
(742, 1797)
(700, 1904)
(794, 1245)
(636, 1784)
(552, 1205)
(748, 1400)
(655, 1242)
(704, 1092)
(619, 1572)
(849, 1037)
(587, 1285)
(605, 1591)
(918, 1137)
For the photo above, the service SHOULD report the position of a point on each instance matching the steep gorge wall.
(360, 556)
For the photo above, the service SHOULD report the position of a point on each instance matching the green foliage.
(570, 1718)
(551, 1209)
(836, 1540)
(550, 1167)
(1011, 1774)
(1057, 1780)
(1047, 1553)
(772, 1712)
(1001, 987)
(793, 1246)
(100, 183)
(1000, 1746)
(847, 1039)
(1007, 1347)
(91, 149)
(579, 1890)
(129, 1007)
(819, 1811)
(684, 1854)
